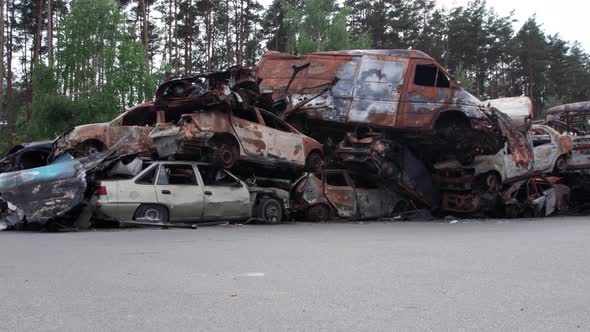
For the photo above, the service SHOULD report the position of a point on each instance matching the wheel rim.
(152, 214)
(271, 213)
(226, 155)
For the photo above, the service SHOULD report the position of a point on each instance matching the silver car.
(178, 192)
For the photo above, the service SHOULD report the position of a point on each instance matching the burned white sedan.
(180, 192)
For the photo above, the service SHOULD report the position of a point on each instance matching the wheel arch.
(444, 118)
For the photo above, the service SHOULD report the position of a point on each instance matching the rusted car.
(402, 92)
(476, 187)
(550, 152)
(535, 197)
(338, 194)
(134, 124)
(573, 120)
(177, 192)
(236, 87)
(226, 137)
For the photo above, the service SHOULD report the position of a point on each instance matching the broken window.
(247, 114)
(442, 81)
(216, 177)
(172, 174)
(149, 177)
(336, 180)
(540, 137)
(140, 117)
(425, 75)
(272, 122)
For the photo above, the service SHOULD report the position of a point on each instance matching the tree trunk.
(170, 31)
(188, 40)
(50, 32)
(9, 102)
(208, 31)
(37, 48)
(144, 33)
(176, 64)
(2, 60)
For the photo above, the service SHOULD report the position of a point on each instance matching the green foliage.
(317, 25)
(99, 70)
(467, 83)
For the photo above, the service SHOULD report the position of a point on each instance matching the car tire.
(318, 213)
(152, 213)
(270, 210)
(561, 165)
(314, 162)
(225, 155)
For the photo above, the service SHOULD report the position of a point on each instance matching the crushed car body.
(338, 194)
(134, 125)
(26, 156)
(224, 137)
(50, 192)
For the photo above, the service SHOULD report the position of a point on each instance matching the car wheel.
(225, 155)
(318, 213)
(561, 165)
(314, 162)
(152, 213)
(270, 210)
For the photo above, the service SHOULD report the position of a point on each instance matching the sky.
(566, 17)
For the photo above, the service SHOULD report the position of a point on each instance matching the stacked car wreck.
(330, 135)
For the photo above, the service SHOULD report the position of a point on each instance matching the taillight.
(101, 191)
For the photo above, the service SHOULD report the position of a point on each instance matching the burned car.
(550, 153)
(338, 194)
(176, 192)
(226, 137)
(236, 87)
(55, 195)
(473, 187)
(573, 120)
(399, 92)
(26, 156)
(134, 124)
(535, 197)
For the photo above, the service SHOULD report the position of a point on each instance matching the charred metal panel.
(377, 91)
(44, 193)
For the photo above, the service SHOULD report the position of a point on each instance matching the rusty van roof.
(414, 54)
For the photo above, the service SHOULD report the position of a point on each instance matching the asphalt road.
(496, 275)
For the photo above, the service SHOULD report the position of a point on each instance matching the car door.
(282, 142)
(226, 197)
(248, 128)
(135, 125)
(179, 189)
(428, 91)
(137, 191)
(377, 91)
(371, 200)
(545, 149)
(340, 193)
